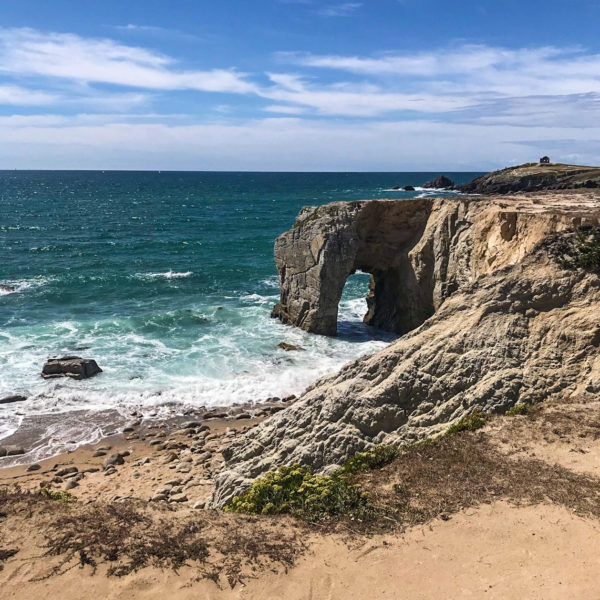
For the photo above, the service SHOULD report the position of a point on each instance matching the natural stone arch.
(329, 243)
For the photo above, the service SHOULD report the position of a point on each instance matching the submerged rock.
(70, 366)
(288, 347)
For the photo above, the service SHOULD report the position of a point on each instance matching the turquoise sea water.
(167, 280)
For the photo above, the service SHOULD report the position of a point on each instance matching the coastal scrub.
(297, 490)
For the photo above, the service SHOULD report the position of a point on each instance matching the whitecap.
(170, 274)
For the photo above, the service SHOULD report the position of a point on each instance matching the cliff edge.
(494, 309)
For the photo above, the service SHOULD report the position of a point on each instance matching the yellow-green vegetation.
(517, 409)
(375, 458)
(61, 496)
(471, 422)
(299, 491)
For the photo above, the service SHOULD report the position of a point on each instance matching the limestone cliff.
(491, 317)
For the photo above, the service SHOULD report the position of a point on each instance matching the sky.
(298, 85)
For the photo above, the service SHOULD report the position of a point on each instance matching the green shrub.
(62, 496)
(299, 491)
(375, 458)
(517, 409)
(471, 422)
(588, 249)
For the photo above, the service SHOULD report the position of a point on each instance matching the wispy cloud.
(17, 95)
(69, 56)
(344, 9)
(485, 85)
(156, 31)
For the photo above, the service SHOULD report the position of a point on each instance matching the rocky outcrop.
(508, 324)
(418, 252)
(533, 177)
(440, 183)
(70, 366)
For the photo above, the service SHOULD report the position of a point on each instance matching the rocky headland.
(493, 307)
(532, 177)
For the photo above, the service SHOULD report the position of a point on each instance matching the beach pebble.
(66, 471)
(156, 443)
(11, 451)
(34, 467)
(113, 459)
(98, 453)
(178, 498)
(158, 497)
(184, 468)
(200, 504)
(175, 490)
(173, 482)
(110, 471)
(170, 457)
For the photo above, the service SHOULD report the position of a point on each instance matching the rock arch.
(329, 243)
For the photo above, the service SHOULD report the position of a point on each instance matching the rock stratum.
(490, 316)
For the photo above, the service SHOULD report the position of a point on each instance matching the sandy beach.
(486, 541)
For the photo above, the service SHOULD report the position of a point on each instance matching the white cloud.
(71, 57)
(344, 9)
(14, 94)
(282, 144)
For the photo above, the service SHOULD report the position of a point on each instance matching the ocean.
(167, 280)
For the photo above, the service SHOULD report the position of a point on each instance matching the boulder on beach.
(70, 366)
(440, 183)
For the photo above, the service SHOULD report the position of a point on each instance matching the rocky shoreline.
(153, 459)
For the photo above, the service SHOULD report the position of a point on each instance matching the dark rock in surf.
(442, 182)
(7, 288)
(12, 399)
(70, 366)
(288, 347)
(408, 188)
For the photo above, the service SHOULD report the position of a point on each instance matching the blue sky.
(391, 85)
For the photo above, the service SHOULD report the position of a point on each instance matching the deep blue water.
(167, 280)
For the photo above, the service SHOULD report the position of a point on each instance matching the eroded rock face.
(509, 324)
(329, 243)
(418, 252)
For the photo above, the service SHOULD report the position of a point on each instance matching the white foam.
(168, 275)
(22, 285)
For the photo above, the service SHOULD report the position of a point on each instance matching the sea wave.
(167, 275)
(16, 286)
